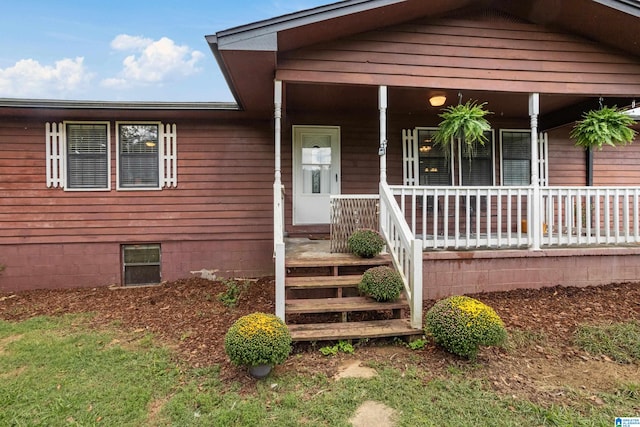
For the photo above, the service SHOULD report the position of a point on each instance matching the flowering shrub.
(365, 243)
(258, 339)
(461, 325)
(381, 283)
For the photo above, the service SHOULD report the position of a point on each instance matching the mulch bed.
(187, 315)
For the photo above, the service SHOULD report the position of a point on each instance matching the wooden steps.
(340, 305)
(320, 285)
(323, 282)
(352, 330)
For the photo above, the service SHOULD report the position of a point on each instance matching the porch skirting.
(464, 272)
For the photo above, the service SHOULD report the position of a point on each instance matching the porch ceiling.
(556, 110)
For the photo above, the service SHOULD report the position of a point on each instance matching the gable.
(479, 50)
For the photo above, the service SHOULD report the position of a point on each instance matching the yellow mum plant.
(258, 339)
(461, 324)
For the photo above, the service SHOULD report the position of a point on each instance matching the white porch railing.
(497, 217)
(590, 215)
(405, 251)
(466, 217)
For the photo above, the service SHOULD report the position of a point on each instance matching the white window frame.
(160, 155)
(525, 131)
(66, 159)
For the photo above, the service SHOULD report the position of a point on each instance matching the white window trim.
(160, 155)
(64, 153)
(527, 131)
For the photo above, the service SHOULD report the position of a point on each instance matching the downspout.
(589, 159)
(536, 218)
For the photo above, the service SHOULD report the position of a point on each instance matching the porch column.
(278, 208)
(536, 219)
(382, 151)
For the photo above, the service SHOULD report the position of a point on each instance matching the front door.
(316, 172)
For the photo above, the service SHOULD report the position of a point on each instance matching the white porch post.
(535, 219)
(382, 151)
(278, 208)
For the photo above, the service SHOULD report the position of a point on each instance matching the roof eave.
(262, 35)
(116, 105)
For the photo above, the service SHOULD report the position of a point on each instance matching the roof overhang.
(248, 54)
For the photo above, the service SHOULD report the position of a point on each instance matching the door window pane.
(316, 164)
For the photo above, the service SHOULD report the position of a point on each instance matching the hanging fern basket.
(608, 126)
(465, 121)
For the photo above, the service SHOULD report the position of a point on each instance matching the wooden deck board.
(330, 260)
(352, 330)
(336, 305)
(322, 282)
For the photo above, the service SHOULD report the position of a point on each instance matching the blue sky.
(120, 50)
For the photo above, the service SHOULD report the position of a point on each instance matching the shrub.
(381, 283)
(258, 339)
(365, 243)
(461, 325)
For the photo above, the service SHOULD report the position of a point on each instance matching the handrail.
(405, 251)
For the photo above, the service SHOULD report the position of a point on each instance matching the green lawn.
(59, 372)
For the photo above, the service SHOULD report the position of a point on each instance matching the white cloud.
(152, 61)
(30, 79)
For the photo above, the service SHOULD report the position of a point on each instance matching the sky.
(117, 50)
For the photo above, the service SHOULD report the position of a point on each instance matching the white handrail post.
(416, 284)
(278, 208)
(382, 151)
(536, 217)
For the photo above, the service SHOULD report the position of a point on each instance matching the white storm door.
(316, 172)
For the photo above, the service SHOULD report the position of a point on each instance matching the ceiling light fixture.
(437, 100)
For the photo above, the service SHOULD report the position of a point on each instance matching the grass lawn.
(56, 371)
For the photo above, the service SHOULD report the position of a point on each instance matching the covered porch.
(353, 121)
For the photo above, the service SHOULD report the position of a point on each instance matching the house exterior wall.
(219, 216)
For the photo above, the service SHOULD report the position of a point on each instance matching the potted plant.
(381, 283)
(365, 243)
(258, 341)
(465, 121)
(604, 126)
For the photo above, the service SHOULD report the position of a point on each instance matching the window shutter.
(55, 155)
(543, 154)
(410, 156)
(168, 156)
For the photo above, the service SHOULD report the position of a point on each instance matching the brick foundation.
(464, 272)
(71, 265)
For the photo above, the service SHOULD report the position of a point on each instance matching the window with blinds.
(516, 157)
(87, 156)
(138, 161)
(477, 167)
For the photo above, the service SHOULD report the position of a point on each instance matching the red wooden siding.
(483, 51)
(221, 210)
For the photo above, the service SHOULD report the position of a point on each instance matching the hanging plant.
(604, 126)
(465, 121)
